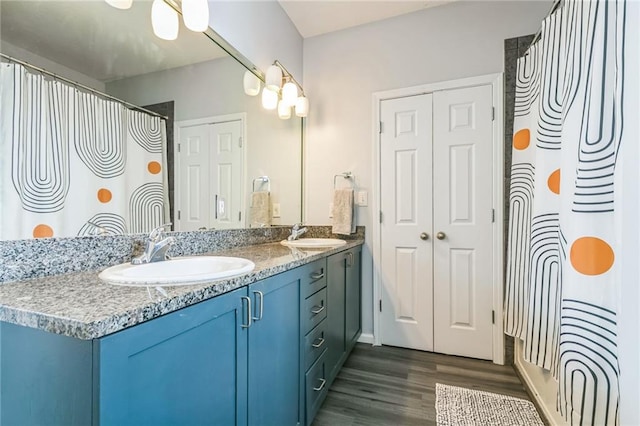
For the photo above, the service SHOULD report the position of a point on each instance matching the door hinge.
(493, 215)
(493, 113)
(493, 317)
(178, 147)
(380, 127)
(380, 216)
(380, 305)
(178, 214)
(240, 142)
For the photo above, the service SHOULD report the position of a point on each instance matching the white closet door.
(194, 185)
(406, 269)
(227, 165)
(462, 217)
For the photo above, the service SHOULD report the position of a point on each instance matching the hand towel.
(343, 212)
(260, 209)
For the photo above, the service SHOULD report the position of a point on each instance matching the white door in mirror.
(179, 271)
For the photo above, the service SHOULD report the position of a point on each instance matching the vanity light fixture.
(195, 14)
(164, 20)
(269, 98)
(289, 93)
(284, 110)
(273, 79)
(302, 106)
(251, 83)
(120, 4)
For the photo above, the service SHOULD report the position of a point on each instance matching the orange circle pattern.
(42, 231)
(104, 195)
(591, 256)
(554, 182)
(521, 139)
(154, 167)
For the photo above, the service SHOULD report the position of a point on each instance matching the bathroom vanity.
(262, 348)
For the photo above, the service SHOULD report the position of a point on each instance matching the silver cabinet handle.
(424, 236)
(317, 309)
(248, 324)
(441, 235)
(319, 388)
(317, 275)
(349, 259)
(215, 207)
(260, 305)
(320, 343)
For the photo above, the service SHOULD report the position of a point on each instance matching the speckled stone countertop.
(80, 305)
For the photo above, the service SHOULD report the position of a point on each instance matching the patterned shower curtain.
(73, 163)
(561, 289)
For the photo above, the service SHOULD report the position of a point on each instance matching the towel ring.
(262, 180)
(345, 175)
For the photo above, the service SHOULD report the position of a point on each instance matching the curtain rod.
(536, 37)
(82, 86)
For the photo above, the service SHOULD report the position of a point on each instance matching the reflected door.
(436, 232)
(209, 183)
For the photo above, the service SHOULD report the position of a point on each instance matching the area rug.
(467, 407)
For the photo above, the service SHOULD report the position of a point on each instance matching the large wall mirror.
(221, 152)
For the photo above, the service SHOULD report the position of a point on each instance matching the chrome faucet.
(296, 231)
(157, 247)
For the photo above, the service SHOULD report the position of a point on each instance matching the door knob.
(440, 235)
(424, 236)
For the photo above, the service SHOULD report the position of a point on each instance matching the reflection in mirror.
(219, 144)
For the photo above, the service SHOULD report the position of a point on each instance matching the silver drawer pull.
(320, 343)
(317, 276)
(319, 388)
(317, 309)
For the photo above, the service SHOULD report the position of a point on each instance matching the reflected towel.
(260, 209)
(343, 212)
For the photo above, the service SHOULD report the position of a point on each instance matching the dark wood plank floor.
(384, 385)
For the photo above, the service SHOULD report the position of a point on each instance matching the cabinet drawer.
(315, 310)
(316, 385)
(314, 277)
(314, 344)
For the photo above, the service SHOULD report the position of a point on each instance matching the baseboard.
(535, 397)
(366, 338)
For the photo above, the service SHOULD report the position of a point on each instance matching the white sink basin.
(311, 243)
(179, 271)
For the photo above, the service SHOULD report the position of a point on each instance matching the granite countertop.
(80, 305)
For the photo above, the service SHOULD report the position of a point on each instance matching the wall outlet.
(276, 210)
(330, 210)
(362, 198)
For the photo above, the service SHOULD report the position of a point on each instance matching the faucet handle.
(157, 232)
(297, 226)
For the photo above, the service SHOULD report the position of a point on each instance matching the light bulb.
(120, 4)
(302, 106)
(164, 20)
(195, 14)
(273, 80)
(284, 110)
(269, 99)
(251, 83)
(290, 94)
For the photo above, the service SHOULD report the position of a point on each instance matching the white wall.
(214, 88)
(343, 69)
(261, 31)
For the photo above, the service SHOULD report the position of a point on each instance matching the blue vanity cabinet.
(274, 391)
(344, 307)
(187, 367)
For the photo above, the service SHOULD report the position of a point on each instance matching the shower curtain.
(73, 163)
(561, 291)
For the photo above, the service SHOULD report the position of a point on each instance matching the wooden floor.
(384, 385)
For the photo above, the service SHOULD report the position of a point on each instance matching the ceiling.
(98, 40)
(315, 17)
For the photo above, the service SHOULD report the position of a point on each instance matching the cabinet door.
(335, 313)
(274, 351)
(352, 298)
(187, 367)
